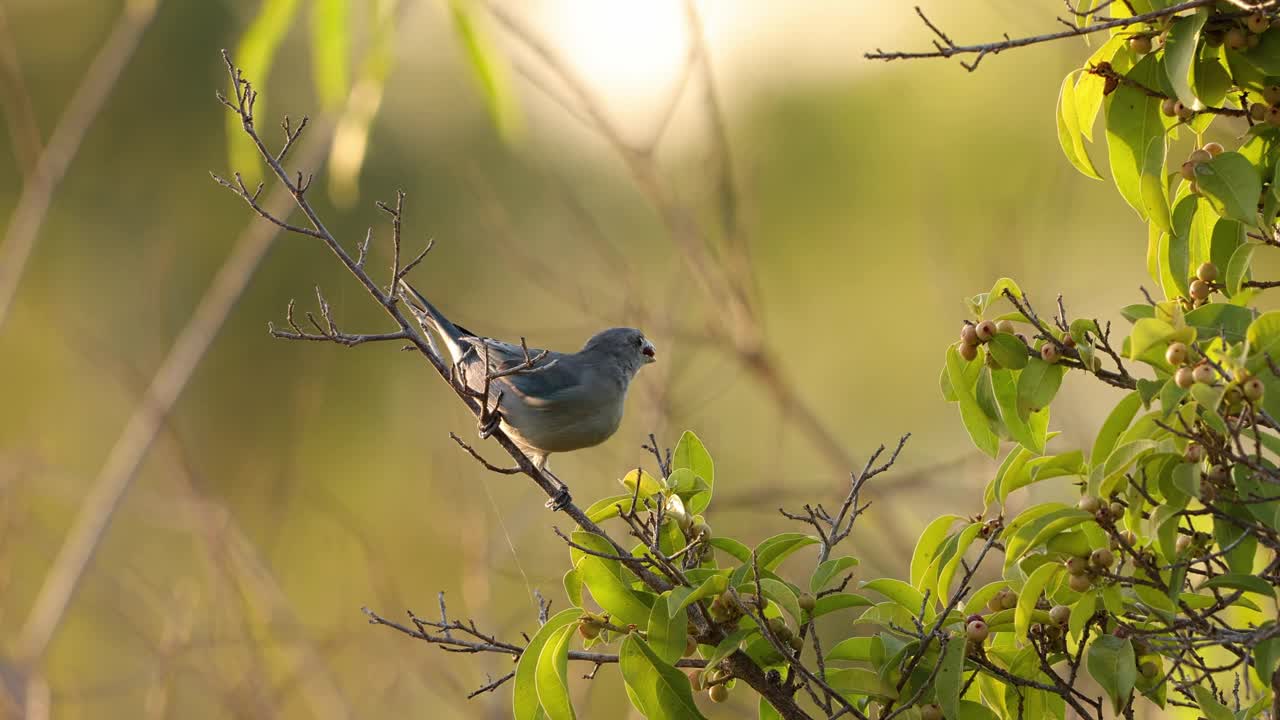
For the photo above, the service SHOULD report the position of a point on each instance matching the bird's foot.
(489, 425)
(560, 500)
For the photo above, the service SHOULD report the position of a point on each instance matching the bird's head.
(628, 345)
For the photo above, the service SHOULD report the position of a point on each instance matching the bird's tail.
(432, 320)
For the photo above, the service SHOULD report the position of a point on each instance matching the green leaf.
(975, 420)
(254, 55)
(710, 587)
(1008, 351)
(771, 552)
(729, 644)
(829, 570)
(1028, 596)
(1069, 131)
(573, 587)
(551, 676)
(1037, 385)
(838, 601)
(602, 510)
(859, 681)
(861, 649)
(1213, 710)
(901, 593)
(950, 680)
(331, 50)
(1248, 583)
(661, 690)
(928, 545)
(1232, 185)
(649, 485)
(1081, 613)
(1111, 662)
(1175, 257)
(740, 552)
(525, 704)
(948, 571)
(1238, 267)
(767, 711)
(1264, 339)
(668, 630)
(611, 593)
(1116, 423)
(1031, 433)
(1221, 319)
(1180, 54)
(487, 68)
(692, 454)
(1135, 140)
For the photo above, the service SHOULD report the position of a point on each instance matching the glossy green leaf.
(740, 552)
(668, 631)
(1029, 594)
(611, 593)
(1135, 141)
(1209, 705)
(838, 601)
(661, 690)
(971, 414)
(1081, 613)
(710, 587)
(573, 587)
(1247, 583)
(551, 675)
(1175, 256)
(771, 552)
(1070, 135)
(692, 454)
(964, 540)
(1232, 185)
(609, 507)
(1221, 320)
(950, 679)
(1008, 350)
(1264, 339)
(1037, 385)
(525, 705)
(1111, 663)
(1180, 55)
(901, 593)
(861, 649)
(830, 570)
(1238, 267)
(1116, 423)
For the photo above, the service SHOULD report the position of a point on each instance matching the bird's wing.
(554, 379)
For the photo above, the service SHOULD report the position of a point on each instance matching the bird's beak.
(649, 352)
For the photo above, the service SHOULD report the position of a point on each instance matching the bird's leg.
(562, 497)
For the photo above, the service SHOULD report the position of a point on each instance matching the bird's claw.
(489, 425)
(560, 500)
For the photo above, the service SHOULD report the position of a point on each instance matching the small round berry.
(968, 334)
(1205, 374)
(589, 630)
(1060, 614)
(1215, 38)
(1258, 23)
(718, 693)
(1207, 272)
(1183, 112)
(995, 604)
(1140, 44)
(1188, 171)
(1200, 156)
(1200, 289)
(1102, 558)
(931, 712)
(1089, 504)
(1005, 326)
(968, 352)
(1077, 566)
(1253, 389)
(977, 631)
(1236, 39)
(1184, 378)
(1194, 453)
(973, 616)
(1214, 149)
(1149, 669)
(1271, 94)
(1008, 599)
(807, 602)
(1050, 353)
(1117, 509)
(1169, 107)
(1218, 474)
(1257, 111)
(1176, 354)
(985, 330)
(1079, 583)
(1208, 493)
(1273, 115)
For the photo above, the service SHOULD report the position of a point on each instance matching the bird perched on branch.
(546, 402)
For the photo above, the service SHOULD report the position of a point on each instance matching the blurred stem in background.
(42, 180)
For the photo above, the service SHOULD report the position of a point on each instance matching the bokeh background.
(294, 483)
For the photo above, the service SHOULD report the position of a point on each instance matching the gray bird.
(564, 401)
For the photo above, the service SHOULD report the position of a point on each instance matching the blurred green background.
(295, 483)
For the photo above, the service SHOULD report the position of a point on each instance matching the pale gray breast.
(576, 416)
